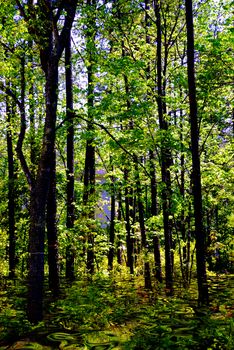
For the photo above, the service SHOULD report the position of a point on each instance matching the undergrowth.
(114, 311)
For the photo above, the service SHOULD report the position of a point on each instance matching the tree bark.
(39, 195)
(153, 183)
(154, 212)
(112, 227)
(51, 48)
(119, 218)
(33, 147)
(11, 192)
(129, 238)
(89, 173)
(147, 274)
(196, 175)
(70, 256)
(165, 156)
(52, 234)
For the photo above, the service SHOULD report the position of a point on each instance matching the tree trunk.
(89, 175)
(129, 238)
(70, 256)
(196, 175)
(112, 228)
(165, 157)
(154, 212)
(52, 234)
(119, 217)
(11, 193)
(153, 183)
(144, 244)
(51, 47)
(181, 225)
(33, 147)
(39, 195)
(88, 197)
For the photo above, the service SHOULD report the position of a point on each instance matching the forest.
(116, 174)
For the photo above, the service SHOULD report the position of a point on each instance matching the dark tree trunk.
(208, 241)
(70, 256)
(51, 205)
(154, 212)
(88, 197)
(119, 217)
(181, 225)
(188, 248)
(39, 196)
(52, 235)
(11, 193)
(153, 183)
(33, 146)
(112, 228)
(51, 47)
(196, 175)
(165, 156)
(129, 238)
(144, 244)
(129, 197)
(89, 173)
(140, 205)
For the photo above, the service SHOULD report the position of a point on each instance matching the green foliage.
(107, 310)
(3, 260)
(113, 311)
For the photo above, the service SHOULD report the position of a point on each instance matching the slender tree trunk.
(165, 157)
(181, 225)
(188, 248)
(112, 228)
(153, 183)
(52, 235)
(51, 205)
(129, 197)
(129, 238)
(89, 191)
(89, 173)
(119, 217)
(154, 212)
(39, 195)
(196, 176)
(144, 243)
(51, 47)
(88, 197)
(70, 256)
(33, 147)
(11, 193)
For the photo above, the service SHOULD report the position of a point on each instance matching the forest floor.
(116, 312)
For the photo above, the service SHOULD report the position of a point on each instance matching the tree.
(112, 222)
(89, 171)
(166, 160)
(42, 23)
(70, 273)
(196, 175)
(11, 188)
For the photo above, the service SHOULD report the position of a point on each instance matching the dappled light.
(116, 175)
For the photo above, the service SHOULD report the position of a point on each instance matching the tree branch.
(21, 9)
(132, 155)
(71, 11)
(21, 135)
